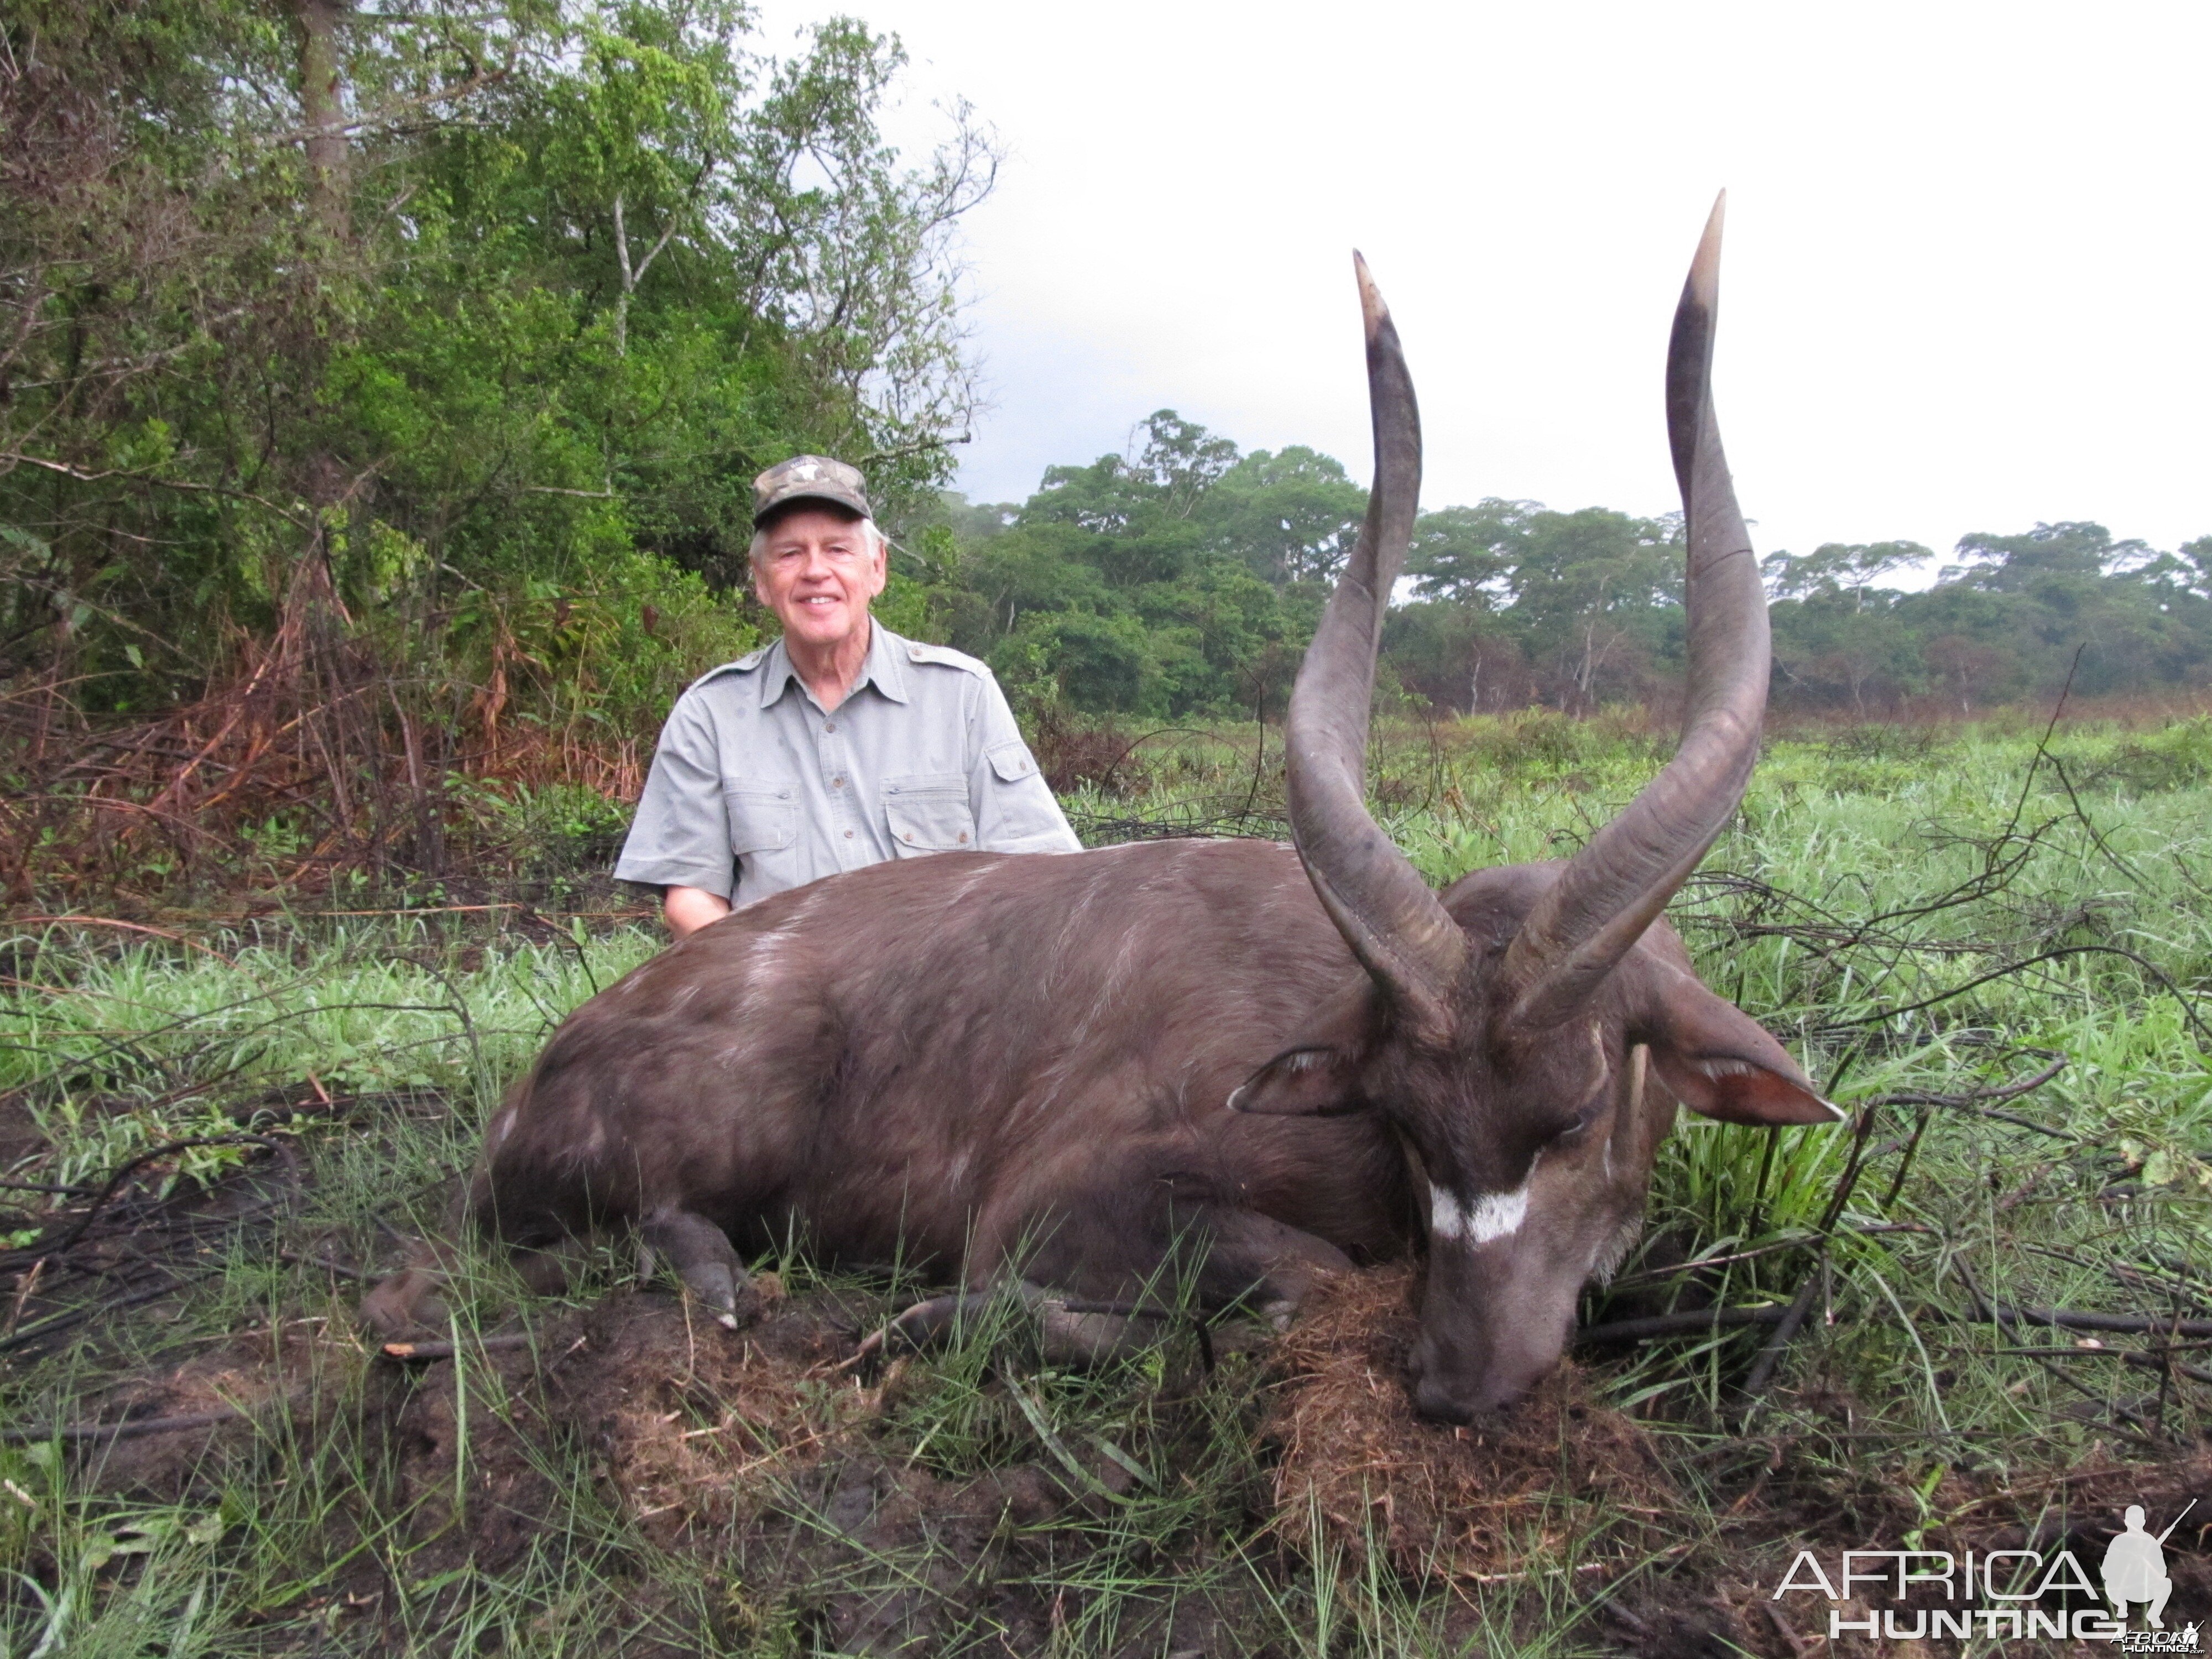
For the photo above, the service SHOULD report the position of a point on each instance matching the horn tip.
(1705, 268)
(1371, 306)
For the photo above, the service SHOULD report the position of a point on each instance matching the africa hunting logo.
(2000, 1593)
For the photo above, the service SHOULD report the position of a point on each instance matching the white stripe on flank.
(1493, 1215)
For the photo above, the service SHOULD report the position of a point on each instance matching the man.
(839, 746)
(2135, 1568)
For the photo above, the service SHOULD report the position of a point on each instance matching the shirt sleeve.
(1015, 812)
(681, 835)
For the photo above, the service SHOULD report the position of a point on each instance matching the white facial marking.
(1493, 1215)
(1445, 1220)
(1496, 1215)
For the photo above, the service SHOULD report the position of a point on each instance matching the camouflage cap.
(810, 478)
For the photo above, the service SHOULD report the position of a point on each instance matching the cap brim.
(775, 510)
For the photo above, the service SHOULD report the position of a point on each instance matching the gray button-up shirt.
(754, 788)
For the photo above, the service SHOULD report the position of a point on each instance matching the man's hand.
(686, 909)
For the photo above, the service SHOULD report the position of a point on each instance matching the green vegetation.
(449, 336)
(1186, 578)
(1926, 917)
(380, 390)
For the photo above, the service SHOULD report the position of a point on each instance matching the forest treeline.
(380, 391)
(1185, 577)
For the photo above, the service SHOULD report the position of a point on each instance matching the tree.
(1836, 568)
(1595, 591)
(474, 314)
(1289, 517)
(2067, 551)
(1462, 553)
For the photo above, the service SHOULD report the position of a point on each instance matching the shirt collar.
(884, 668)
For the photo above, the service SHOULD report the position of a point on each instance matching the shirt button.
(829, 725)
(963, 835)
(836, 783)
(848, 834)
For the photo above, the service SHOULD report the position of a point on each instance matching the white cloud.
(1965, 286)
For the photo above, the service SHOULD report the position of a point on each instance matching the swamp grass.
(1929, 919)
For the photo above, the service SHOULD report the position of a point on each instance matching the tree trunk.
(631, 275)
(322, 109)
(628, 281)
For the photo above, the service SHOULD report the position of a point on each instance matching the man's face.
(818, 571)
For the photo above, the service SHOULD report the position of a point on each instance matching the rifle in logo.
(2135, 1567)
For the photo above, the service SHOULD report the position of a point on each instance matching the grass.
(1924, 917)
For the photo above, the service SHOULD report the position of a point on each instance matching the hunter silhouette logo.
(2135, 1567)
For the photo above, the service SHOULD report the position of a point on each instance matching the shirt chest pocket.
(763, 819)
(928, 813)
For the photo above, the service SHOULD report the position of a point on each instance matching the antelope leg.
(1084, 1336)
(1068, 1335)
(1266, 1263)
(925, 1323)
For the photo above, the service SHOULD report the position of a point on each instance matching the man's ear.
(1715, 1058)
(1319, 1077)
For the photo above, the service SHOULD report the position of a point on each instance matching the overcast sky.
(1965, 285)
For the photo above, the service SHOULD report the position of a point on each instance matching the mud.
(1358, 1472)
(760, 1488)
(759, 1458)
(1566, 1479)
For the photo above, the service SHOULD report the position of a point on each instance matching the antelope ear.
(1715, 1058)
(1320, 1077)
(1316, 1082)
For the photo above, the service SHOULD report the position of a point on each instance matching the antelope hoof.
(700, 1252)
(405, 1308)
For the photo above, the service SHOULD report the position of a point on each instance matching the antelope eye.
(1579, 1125)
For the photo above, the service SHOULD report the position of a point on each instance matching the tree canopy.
(462, 328)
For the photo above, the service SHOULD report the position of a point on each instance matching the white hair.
(868, 527)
